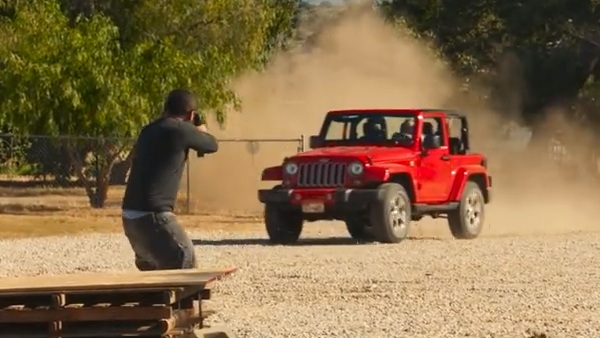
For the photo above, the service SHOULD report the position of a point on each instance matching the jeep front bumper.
(351, 199)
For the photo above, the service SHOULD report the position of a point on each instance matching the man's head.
(407, 127)
(369, 128)
(374, 129)
(180, 103)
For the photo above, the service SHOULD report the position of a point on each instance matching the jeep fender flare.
(464, 174)
(272, 174)
(395, 173)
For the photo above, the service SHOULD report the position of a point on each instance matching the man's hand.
(202, 128)
(199, 139)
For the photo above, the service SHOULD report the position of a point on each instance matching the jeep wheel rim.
(474, 210)
(398, 215)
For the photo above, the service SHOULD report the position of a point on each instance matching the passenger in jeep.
(430, 138)
(408, 127)
(407, 130)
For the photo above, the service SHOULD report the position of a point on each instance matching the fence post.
(188, 199)
(99, 147)
(302, 146)
(11, 154)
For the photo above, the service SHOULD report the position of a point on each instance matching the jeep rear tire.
(466, 222)
(358, 228)
(391, 214)
(283, 226)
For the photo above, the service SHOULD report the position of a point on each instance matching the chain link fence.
(71, 166)
(93, 171)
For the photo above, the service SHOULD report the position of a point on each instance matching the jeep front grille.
(317, 174)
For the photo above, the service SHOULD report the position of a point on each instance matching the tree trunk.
(96, 189)
(99, 194)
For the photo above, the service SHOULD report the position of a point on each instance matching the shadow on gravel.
(265, 242)
(330, 241)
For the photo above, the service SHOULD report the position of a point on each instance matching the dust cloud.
(357, 61)
(534, 195)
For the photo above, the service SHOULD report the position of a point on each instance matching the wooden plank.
(181, 318)
(181, 324)
(96, 299)
(119, 297)
(45, 335)
(24, 330)
(86, 314)
(179, 333)
(105, 299)
(86, 329)
(110, 281)
(108, 334)
(113, 330)
(28, 301)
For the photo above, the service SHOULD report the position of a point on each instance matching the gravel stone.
(431, 286)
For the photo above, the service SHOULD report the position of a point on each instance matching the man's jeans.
(159, 242)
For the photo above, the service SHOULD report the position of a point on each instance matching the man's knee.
(139, 242)
(144, 263)
(178, 250)
(188, 258)
(181, 257)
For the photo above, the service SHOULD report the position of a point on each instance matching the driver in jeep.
(373, 131)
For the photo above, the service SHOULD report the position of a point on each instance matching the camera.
(198, 119)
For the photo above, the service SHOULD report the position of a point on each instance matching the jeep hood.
(375, 154)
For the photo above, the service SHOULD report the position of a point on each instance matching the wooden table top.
(111, 281)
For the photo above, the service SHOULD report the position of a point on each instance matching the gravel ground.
(430, 286)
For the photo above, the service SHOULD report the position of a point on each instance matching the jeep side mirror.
(315, 142)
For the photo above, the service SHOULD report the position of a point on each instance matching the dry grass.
(22, 226)
(48, 212)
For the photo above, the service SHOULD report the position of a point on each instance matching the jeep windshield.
(369, 128)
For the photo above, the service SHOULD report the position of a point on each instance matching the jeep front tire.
(466, 222)
(283, 226)
(391, 213)
(358, 228)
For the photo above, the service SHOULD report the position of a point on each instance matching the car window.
(436, 131)
(337, 131)
(355, 127)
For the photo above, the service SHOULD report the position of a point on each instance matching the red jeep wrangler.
(377, 170)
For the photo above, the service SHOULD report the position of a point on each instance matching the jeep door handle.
(445, 158)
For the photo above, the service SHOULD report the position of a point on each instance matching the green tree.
(232, 35)
(62, 80)
(99, 69)
(75, 79)
(479, 36)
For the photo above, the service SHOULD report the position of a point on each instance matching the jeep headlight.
(291, 168)
(356, 168)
